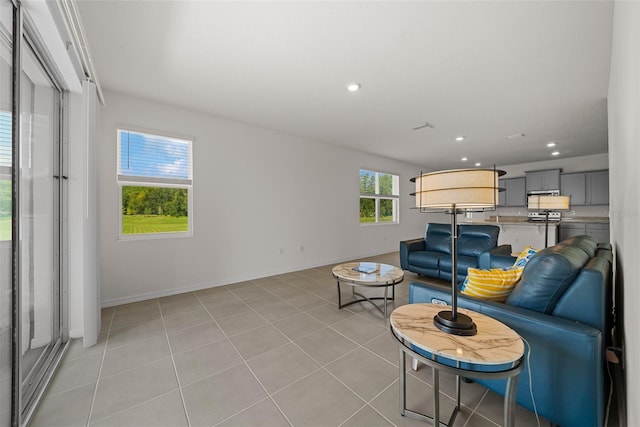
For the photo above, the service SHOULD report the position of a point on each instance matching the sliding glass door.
(32, 330)
(39, 214)
(6, 160)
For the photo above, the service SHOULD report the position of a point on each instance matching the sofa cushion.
(438, 238)
(492, 285)
(525, 256)
(425, 259)
(546, 276)
(476, 239)
(464, 263)
(584, 242)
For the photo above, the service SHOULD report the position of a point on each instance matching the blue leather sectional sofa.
(562, 308)
(431, 256)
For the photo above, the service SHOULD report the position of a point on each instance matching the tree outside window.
(379, 195)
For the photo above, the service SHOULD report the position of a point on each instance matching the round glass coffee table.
(371, 275)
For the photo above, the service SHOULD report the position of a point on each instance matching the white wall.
(624, 175)
(255, 191)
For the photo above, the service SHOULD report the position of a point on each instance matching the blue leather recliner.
(431, 256)
(562, 307)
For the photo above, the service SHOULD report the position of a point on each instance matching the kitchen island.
(519, 232)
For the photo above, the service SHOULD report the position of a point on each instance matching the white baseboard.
(198, 287)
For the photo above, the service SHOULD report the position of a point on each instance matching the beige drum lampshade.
(458, 188)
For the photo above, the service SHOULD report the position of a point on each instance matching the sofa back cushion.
(475, 239)
(438, 238)
(588, 299)
(547, 276)
(584, 242)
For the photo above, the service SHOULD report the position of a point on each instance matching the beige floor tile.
(326, 345)
(123, 391)
(179, 303)
(118, 337)
(276, 311)
(67, 409)
(195, 336)
(257, 341)
(163, 411)
(135, 317)
(198, 363)
(330, 314)
(134, 354)
(364, 373)
(76, 373)
(298, 326)
(419, 398)
(226, 309)
(317, 400)
(359, 329)
(368, 417)
(281, 366)
(77, 350)
(243, 322)
(136, 306)
(262, 414)
(306, 301)
(187, 319)
(220, 396)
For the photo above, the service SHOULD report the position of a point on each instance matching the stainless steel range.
(554, 216)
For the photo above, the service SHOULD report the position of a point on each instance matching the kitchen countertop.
(523, 220)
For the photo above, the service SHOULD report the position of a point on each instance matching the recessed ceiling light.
(555, 153)
(460, 138)
(464, 159)
(551, 144)
(353, 87)
(478, 164)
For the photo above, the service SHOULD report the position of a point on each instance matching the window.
(379, 195)
(155, 181)
(5, 175)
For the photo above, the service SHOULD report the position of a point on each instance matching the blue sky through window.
(5, 138)
(154, 156)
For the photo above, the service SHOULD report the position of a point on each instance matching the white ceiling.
(480, 69)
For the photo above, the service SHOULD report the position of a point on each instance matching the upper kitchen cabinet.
(574, 185)
(543, 180)
(598, 187)
(515, 193)
(586, 188)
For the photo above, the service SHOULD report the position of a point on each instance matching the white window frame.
(395, 198)
(149, 181)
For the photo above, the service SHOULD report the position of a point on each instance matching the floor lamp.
(456, 191)
(547, 204)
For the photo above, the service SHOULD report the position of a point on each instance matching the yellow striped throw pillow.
(493, 285)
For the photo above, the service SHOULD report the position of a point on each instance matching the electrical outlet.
(301, 248)
(281, 251)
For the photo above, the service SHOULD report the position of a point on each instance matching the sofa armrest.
(498, 257)
(407, 246)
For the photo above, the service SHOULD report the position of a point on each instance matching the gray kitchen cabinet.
(597, 187)
(574, 185)
(586, 188)
(571, 230)
(543, 180)
(599, 231)
(514, 194)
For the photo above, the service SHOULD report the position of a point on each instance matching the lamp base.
(460, 325)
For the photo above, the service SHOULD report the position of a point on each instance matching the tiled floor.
(268, 352)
